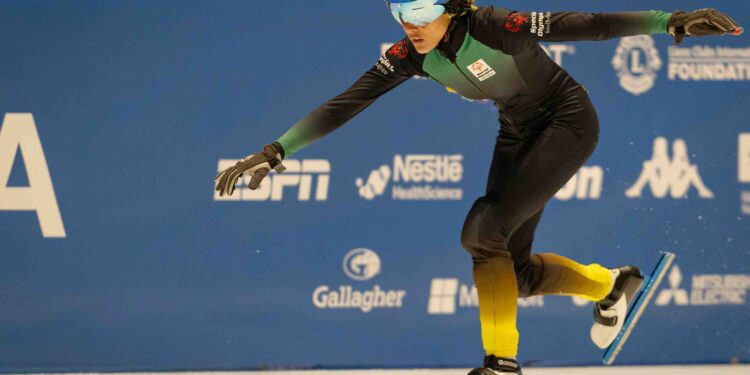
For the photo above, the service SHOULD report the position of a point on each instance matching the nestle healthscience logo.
(637, 61)
(416, 177)
(361, 264)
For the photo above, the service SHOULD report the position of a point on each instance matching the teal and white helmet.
(422, 12)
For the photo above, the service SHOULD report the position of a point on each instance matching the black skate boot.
(498, 366)
(610, 313)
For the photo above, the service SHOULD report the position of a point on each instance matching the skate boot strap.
(604, 316)
(627, 273)
(502, 365)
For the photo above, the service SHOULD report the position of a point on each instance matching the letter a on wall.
(18, 132)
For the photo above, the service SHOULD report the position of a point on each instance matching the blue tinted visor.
(415, 12)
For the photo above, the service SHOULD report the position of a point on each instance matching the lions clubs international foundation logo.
(637, 61)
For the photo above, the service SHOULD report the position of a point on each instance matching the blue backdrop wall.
(116, 255)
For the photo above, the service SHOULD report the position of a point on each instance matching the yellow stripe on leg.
(497, 290)
(563, 276)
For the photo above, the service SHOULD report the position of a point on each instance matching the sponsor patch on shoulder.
(515, 22)
(399, 50)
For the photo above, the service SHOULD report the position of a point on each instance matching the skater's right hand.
(702, 22)
(256, 165)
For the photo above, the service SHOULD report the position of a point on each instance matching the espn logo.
(299, 175)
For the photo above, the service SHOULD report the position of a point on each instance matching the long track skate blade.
(650, 283)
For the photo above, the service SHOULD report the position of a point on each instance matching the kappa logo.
(446, 294)
(637, 62)
(669, 176)
(18, 132)
(299, 174)
(415, 177)
(705, 290)
(515, 22)
(360, 264)
(481, 70)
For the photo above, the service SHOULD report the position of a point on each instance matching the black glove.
(257, 165)
(701, 22)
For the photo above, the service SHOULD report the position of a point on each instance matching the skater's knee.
(482, 234)
(528, 275)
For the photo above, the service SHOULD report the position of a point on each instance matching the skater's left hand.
(702, 22)
(256, 165)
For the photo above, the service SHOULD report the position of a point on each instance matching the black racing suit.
(548, 125)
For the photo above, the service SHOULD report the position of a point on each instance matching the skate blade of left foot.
(642, 300)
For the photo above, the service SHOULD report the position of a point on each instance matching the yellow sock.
(497, 290)
(563, 276)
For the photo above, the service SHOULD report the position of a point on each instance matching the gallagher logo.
(515, 21)
(399, 50)
(360, 264)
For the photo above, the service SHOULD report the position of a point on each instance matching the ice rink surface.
(635, 370)
(650, 370)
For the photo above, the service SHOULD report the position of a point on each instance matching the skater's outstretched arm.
(513, 31)
(397, 65)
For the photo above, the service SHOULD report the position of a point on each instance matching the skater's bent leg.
(527, 273)
(494, 278)
(551, 273)
(563, 276)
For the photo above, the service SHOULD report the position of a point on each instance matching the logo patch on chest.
(481, 70)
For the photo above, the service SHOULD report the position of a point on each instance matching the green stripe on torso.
(494, 74)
